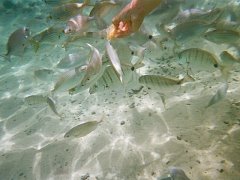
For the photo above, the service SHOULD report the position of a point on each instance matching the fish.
(35, 99)
(228, 59)
(52, 105)
(40, 100)
(220, 94)
(94, 66)
(186, 30)
(100, 10)
(196, 59)
(220, 36)
(69, 79)
(72, 60)
(44, 74)
(199, 15)
(50, 34)
(82, 129)
(59, 2)
(110, 80)
(114, 59)
(174, 174)
(87, 84)
(65, 11)
(17, 43)
(227, 25)
(78, 24)
(162, 83)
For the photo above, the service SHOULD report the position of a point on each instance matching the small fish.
(59, 2)
(44, 74)
(35, 99)
(100, 10)
(78, 24)
(50, 34)
(227, 25)
(114, 59)
(89, 82)
(69, 79)
(220, 94)
(175, 174)
(40, 100)
(110, 80)
(72, 60)
(94, 66)
(17, 43)
(198, 14)
(196, 59)
(160, 82)
(52, 105)
(83, 129)
(65, 11)
(186, 30)
(228, 59)
(220, 36)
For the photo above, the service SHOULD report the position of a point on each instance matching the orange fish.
(130, 18)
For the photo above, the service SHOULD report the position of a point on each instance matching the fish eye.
(132, 68)
(150, 37)
(215, 65)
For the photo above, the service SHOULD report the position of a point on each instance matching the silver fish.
(175, 174)
(65, 11)
(100, 10)
(228, 59)
(198, 14)
(35, 99)
(78, 24)
(114, 59)
(110, 80)
(44, 74)
(83, 129)
(162, 83)
(220, 94)
(69, 79)
(50, 34)
(94, 66)
(220, 36)
(72, 60)
(189, 29)
(17, 42)
(196, 59)
(52, 105)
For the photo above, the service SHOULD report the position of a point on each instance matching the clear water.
(144, 131)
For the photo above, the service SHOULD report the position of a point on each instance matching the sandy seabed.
(141, 135)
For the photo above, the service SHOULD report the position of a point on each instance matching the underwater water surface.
(169, 110)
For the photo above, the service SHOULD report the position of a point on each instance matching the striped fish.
(220, 36)
(197, 59)
(160, 82)
(228, 59)
(35, 99)
(110, 80)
